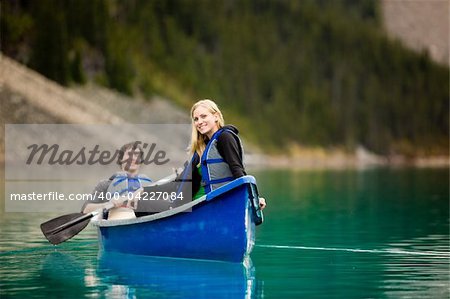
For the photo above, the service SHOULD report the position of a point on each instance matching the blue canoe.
(218, 226)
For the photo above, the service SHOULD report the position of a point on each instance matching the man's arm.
(98, 201)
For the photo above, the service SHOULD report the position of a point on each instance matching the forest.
(310, 73)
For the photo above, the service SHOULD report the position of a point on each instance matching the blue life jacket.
(122, 182)
(215, 171)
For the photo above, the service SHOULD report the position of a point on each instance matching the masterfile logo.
(56, 167)
(53, 154)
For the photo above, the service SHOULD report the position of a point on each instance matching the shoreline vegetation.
(323, 159)
(316, 74)
(28, 97)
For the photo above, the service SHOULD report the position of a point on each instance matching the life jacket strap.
(213, 161)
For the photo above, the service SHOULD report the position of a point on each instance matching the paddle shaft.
(80, 219)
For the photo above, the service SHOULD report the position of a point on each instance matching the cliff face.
(40, 95)
(420, 25)
(26, 97)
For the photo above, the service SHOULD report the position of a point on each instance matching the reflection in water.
(130, 276)
(62, 273)
(141, 276)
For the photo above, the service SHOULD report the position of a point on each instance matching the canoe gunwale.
(208, 197)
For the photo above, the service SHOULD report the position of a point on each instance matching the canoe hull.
(219, 228)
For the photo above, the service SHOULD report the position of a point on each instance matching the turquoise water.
(381, 233)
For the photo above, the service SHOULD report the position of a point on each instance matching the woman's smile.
(205, 121)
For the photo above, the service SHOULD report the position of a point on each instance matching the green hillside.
(314, 73)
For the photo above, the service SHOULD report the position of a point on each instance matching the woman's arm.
(230, 150)
(196, 178)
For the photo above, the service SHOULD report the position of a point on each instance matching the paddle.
(64, 227)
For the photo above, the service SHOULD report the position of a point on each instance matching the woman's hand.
(262, 203)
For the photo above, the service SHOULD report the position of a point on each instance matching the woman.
(128, 180)
(216, 148)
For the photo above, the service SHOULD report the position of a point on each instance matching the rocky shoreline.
(318, 159)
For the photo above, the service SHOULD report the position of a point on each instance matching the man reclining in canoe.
(126, 181)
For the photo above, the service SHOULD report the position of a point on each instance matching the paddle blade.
(62, 228)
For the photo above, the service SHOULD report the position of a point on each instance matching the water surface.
(381, 233)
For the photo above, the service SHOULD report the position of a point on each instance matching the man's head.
(130, 156)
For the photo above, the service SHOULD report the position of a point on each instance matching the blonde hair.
(197, 139)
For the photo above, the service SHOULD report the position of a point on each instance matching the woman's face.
(131, 160)
(204, 121)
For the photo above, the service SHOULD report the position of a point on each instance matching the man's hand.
(119, 201)
(132, 203)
